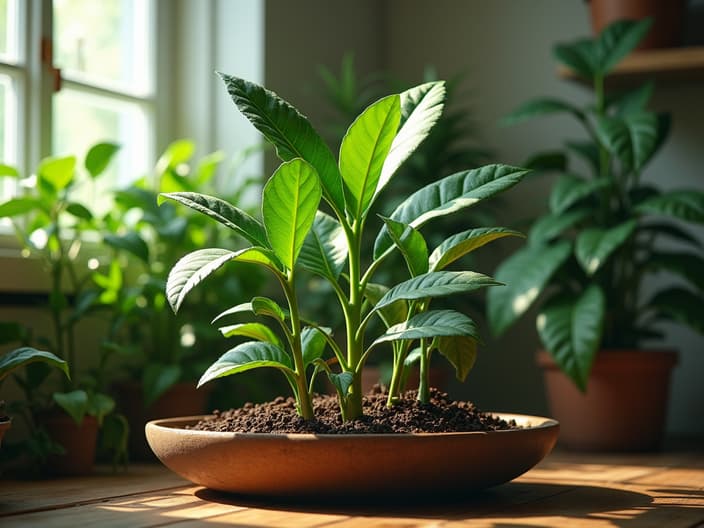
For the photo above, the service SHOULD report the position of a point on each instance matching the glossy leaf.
(324, 250)
(289, 202)
(582, 56)
(570, 189)
(633, 138)
(130, 242)
(364, 149)
(247, 356)
(421, 108)
(262, 256)
(541, 107)
(552, 226)
(289, 131)
(411, 244)
(99, 157)
(683, 306)
(157, 378)
(460, 351)
(460, 244)
(239, 308)
(341, 382)
(448, 195)
(390, 314)
(571, 331)
(256, 331)
(313, 344)
(526, 274)
(682, 204)
(26, 355)
(430, 324)
(436, 284)
(617, 40)
(75, 403)
(228, 215)
(58, 172)
(269, 308)
(594, 246)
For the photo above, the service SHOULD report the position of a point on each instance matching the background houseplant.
(591, 254)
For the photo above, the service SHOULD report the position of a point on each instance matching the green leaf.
(26, 355)
(687, 265)
(191, 270)
(460, 351)
(682, 204)
(421, 108)
(551, 226)
(157, 379)
(248, 356)
(99, 157)
(100, 405)
(178, 152)
(618, 40)
(289, 131)
(588, 151)
(8, 171)
(364, 149)
(58, 172)
(436, 284)
(430, 324)
(582, 56)
(633, 138)
(448, 195)
(79, 211)
(18, 206)
(130, 242)
(634, 100)
(341, 382)
(256, 331)
(265, 306)
(526, 274)
(289, 202)
(313, 343)
(228, 215)
(571, 331)
(680, 305)
(411, 244)
(75, 404)
(460, 244)
(594, 246)
(324, 250)
(541, 107)
(570, 190)
(262, 256)
(671, 230)
(390, 314)
(240, 308)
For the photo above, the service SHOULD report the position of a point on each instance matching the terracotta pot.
(182, 398)
(667, 15)
(378, 465)
(624, 407)
(4, 426)
(78, 441)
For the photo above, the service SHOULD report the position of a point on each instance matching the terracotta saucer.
(306, 465)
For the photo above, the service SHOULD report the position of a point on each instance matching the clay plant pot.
(78, 441)
(5, 424)
(374, 465)
(624, 407)
(667, 15)
(182, 398)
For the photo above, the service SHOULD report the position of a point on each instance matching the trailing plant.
(296, 233)
(589, 257)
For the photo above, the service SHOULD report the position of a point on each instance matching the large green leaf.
(248, 356)
(100, 405)
(191, 270)
(228, 215)
(289, 131)
(265, 306)
(633, 138)
(460, 351)
(364, 149)
(262, 256)
(324, 250)
(460, 244)
(289, 201)
(680, 305)
(673, 231)
(448, 195)
(238, 308)
(79, 211)
(130, 242)
(99, 157)
(526, 274)
(594, 246)
(26, 355)
(431, 324)
(571, 330)
(551, 226)
(436, 284)
(635, 100)
(540, 107)
(617, 40)
(75, 403)
(256, 331)
(157, 378)
(18, 206)
(683, 204)
(391, 314)
(582, 56)
(421, 108)
(411, 244)
(58, 172)
(570, 189)
(689, 266)
(313, 344)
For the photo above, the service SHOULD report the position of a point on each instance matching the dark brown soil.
(441, 414)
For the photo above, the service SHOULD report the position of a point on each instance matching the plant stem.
(423, 385)
(353, 316)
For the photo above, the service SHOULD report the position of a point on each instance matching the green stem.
(424, 384)
(353, 316)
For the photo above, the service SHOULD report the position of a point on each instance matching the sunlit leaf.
(324, 250)
(411, 244)
(99, 157)
(460, 351)
(256, 331)
(26, 355)
(460, 244)
(431, 324)
(594, 246)
(247, 356)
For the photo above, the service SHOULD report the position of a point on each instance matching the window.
(75, 72)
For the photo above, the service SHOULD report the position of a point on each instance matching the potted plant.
(54, 227)
(590, 256)
(296, 233)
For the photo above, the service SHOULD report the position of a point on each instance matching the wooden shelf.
(658, 64)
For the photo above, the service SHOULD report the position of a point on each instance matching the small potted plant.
(590, 256)
(295, 232)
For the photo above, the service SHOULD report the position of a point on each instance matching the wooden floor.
(566, 490)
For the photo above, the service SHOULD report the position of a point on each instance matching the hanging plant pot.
(78, 441)
(624, 407)
(307, 465)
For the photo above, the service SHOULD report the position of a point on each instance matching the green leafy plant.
(294, 234)
(591, 254)
(53, 227)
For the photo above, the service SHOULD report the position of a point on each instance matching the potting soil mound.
(408, 415)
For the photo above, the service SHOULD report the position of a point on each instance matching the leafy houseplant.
(591, 254)
(295, 234)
